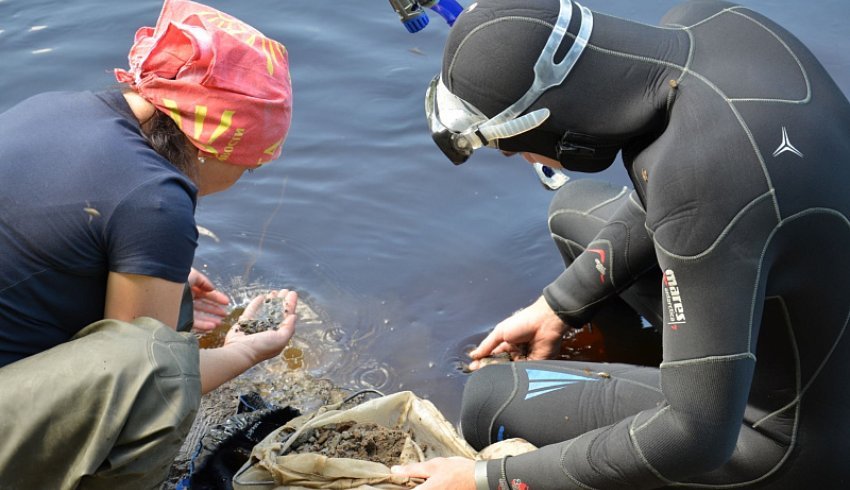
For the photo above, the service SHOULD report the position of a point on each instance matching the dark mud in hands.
(268, 317)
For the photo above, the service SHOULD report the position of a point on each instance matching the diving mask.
(459, 128)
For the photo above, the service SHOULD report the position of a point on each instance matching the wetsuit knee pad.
(582, 195)
(484, 396)
(575, 211)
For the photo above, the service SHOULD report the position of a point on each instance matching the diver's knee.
(581, 207)
(484, 396)
(580, 195)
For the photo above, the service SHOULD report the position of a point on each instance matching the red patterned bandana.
(225, 84)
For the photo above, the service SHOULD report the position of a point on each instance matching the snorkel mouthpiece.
(551, 178)
(415, 18)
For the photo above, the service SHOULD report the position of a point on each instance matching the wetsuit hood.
(489, 61)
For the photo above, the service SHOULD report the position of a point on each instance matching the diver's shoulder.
(692, 12)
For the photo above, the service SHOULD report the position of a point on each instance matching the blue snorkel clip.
(415, 18)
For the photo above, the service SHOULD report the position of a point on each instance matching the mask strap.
(547, 73)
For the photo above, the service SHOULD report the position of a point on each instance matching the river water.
(407, 260)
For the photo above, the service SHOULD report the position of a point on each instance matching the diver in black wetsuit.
(735, 243)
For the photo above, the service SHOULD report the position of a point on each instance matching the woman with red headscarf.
(97, 235)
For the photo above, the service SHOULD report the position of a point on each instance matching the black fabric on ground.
(225, 448)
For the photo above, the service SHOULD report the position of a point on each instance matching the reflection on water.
(321, 349)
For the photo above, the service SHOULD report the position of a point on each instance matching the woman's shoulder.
(57, 102)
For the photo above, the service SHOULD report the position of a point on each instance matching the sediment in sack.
(363, 441)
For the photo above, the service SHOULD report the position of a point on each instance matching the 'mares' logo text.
(673, 298)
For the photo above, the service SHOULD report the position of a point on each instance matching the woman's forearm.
(220, 365)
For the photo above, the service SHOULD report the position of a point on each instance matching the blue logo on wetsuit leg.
(541, 382)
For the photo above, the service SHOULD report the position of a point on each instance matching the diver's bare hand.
(533, 333)
(265, 345)
(454, 473)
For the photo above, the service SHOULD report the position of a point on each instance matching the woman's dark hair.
(166, 138)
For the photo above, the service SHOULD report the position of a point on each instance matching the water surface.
(407, 260)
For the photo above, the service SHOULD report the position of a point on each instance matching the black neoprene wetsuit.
(735, 242)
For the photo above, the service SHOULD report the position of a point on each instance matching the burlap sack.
(508, 447)
(270, 467)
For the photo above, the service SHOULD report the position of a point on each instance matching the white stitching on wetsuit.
(738, 356)
(483, 26)
(729, 101)
(627, 252)
(801, 392)
(593, 208)
(570, 244)
(738, 216)
(757, 151)
(633, 431)
(770, 193)
(620, 194)
(564, 466)
(796, 414)
(657, 414)
(828, 356)
(709, 359)
(584, 213)
(684, 69)
(574, 211)
(709, 18)
(797, 370)
(506, 403)
(613, 292)
(803, 71)
(719, 92)
(632, 437)
(796, 401)
(662, 27)
(687, 67)
(625, 190)
(638, 383)
(638, 204)
(761, 261)
(690, 59)
(630, 56)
